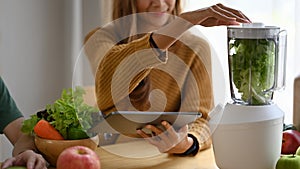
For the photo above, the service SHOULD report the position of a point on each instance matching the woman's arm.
(122, 70)
(215, 15)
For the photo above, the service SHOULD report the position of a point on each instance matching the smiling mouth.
(158, 13)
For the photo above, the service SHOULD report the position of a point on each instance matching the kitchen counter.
(141, 155)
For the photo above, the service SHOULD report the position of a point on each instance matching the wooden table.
(141, 155)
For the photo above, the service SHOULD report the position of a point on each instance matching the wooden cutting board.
(297, 102)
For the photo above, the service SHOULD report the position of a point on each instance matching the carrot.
(45, 130)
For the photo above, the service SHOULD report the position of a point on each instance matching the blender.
(248, 133)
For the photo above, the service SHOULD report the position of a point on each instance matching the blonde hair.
(122, 8)
(127, 7)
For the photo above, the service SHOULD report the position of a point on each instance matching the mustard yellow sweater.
(131, 76)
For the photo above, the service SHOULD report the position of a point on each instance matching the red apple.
(78, 157)
(290, 141)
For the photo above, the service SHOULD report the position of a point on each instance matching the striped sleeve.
(119, 68)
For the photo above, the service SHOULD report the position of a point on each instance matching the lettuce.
(68, 114)
(252, 64)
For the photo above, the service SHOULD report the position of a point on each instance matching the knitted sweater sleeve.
(120, 69)
(198, 89)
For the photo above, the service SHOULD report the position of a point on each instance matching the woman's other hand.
(215, 15)
(168, 140)
(28, 158)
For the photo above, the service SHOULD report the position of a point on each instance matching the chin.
(153, 20)
(159, 21)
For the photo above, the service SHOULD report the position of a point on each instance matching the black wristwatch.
(193, 150)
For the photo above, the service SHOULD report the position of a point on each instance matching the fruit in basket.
(51, 149)
(290, 141)
(288, 162)
(66, 122)
(78, 157)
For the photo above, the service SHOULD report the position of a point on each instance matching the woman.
(10, 124)
(147, 60)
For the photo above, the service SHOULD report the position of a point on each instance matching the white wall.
(32, 58)
(37, 52)
(31, 53)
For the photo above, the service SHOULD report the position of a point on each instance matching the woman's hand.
(169, 140)
(215, 15)
(28, 158)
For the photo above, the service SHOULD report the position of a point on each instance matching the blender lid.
(254, 30)
(253, 25)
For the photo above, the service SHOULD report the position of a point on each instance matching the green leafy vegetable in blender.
(252, 63)
(69, 115)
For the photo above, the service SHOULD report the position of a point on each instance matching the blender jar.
(256, 57)
(246, 136)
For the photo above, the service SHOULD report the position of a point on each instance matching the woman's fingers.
(220, 15)
(154, 138)
(170, 131)
(216, 15)
(167, 139)
(228, 14)
(162, 139)
(156, 131)
(143, 134)
(236, 13)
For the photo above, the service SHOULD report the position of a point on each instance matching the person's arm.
(20, 141)
(215, 15)
(24, 151)
(13, 130)
(121, 71)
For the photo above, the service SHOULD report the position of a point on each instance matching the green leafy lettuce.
(252, 63)
(70, 115)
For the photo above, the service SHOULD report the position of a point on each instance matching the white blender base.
(248, 137)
